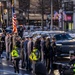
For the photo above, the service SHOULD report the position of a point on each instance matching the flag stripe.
(14, 20)
(55, 14)
(65, 16)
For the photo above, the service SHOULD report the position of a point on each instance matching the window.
(63, 37)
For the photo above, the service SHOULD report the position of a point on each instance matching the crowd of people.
(27, 49)
(36, 56)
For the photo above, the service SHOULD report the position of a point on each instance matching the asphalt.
(6, 67)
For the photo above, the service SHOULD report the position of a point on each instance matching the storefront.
(35, 19)
(69, 23)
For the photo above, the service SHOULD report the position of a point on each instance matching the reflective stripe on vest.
(14, 53)
(74, 68)
(33, 55)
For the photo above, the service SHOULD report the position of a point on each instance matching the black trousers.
(16, 64)
(48, 63)
(28, 63)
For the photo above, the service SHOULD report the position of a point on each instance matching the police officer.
(20, 31)
(15, 59)
(72, 62)
(34, 57)
(29, 50)
(53, 53)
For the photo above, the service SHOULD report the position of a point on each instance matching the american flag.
(55, 14)
(59, 17)
(14, 20)
(65, 16)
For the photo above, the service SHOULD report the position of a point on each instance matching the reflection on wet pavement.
(5, 72)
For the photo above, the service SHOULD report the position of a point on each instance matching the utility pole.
(28, 9)
(42, 25)
(62, 15)
(7, 13)
(74, 14)
(28, 15)
(62, 20)
(0, 14)
(51, 15)
(14, 35)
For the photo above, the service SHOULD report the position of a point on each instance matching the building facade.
(27, 10)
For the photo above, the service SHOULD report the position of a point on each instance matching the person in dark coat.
(37, 45)
(20, 31)
(29, 50)
(40, 69)
(54, 50)
(53, 44)
(43, 48)
(49, 56)
(15, 59)
(25, 50)
(18, 43)
(22, 55)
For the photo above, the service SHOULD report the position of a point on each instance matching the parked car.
(8, 30)
(72, 33)
(64, 42)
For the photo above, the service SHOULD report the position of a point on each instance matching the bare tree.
(41, 6)
(24, 4)
(44, 7)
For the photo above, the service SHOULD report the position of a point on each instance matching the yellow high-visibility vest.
(14, 53)
(35, 55)
(74, 69)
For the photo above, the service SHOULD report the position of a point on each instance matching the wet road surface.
(6, 67)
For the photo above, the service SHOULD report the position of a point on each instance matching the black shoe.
(26, 67)
(22, 66)
(30, 69)
(15, 71)
(18, 71)
(52, 72)
(7, 59)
